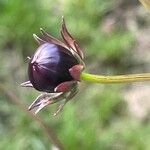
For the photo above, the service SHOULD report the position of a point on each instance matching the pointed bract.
(39, 40)
(44, 100)
(70, 40)
(75, 71)
(26, 84)
(51, 39)
(65, 86)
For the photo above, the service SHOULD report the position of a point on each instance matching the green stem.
(114, 79)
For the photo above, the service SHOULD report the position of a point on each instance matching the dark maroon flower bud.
(50, 66)
(55, 69)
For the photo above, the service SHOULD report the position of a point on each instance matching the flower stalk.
(114, 79)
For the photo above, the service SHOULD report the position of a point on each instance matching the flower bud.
(50, 66)
(55, 69)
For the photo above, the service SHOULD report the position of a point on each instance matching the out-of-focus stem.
(146, 3)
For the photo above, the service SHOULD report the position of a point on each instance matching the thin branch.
(47, 129)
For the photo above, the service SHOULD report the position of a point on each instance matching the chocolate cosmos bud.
(55, 69)
(50, 66)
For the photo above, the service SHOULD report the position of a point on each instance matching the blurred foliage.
(98, 117)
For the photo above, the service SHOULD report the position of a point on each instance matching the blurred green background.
(115, 37)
